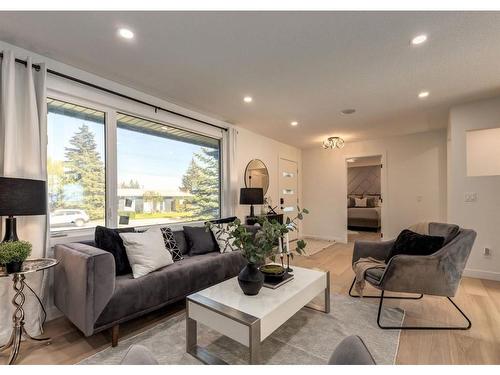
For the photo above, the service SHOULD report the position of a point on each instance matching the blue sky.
(157, 163)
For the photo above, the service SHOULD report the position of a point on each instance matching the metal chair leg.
(390, 297)
(469, 323)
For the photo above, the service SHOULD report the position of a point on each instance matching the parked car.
(68, 217)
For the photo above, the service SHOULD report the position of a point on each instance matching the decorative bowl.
(273, 272)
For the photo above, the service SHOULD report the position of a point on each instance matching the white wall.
(254, 146)
(482, 215)
(415, 183)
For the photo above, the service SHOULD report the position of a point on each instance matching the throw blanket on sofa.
(360, 267)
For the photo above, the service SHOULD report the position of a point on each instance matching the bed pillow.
(360, 202)
(146, 251)
(200, 241)
(411, 243)
(376, 199)
(350, 202)
(371, 202)
(109, 240)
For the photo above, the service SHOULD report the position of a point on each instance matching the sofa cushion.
(180, 239)
(411, 243)
(146, 251)
(374, 275)
(135, 296)
(200, 240)
(109, 240)
(171, 243)
(224, 220)
(223, 238)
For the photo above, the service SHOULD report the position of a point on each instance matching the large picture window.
(164, 174)
(75, 166)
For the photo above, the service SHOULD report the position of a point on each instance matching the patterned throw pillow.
(225, 245)
(171, 244)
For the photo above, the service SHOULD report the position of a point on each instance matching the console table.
(251, 220)
(18, 330)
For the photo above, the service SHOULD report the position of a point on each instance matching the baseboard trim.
(325, 238)
(480, 274)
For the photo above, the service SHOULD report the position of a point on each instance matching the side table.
(18, 330)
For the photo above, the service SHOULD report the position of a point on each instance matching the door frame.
(383, 187)
(299, 226)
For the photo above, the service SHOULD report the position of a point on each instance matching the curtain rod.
(116, 93)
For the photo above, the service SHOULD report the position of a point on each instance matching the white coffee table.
(250, 319)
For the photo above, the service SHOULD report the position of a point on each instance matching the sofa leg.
(115, 331)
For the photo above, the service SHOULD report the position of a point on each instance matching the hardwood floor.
(480, 299)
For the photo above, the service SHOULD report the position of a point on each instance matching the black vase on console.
(251, 279)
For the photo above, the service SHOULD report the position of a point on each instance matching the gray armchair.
(438, 274)
(351, 351)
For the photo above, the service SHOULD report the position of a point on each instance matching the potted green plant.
(259, 246)
(13, 254)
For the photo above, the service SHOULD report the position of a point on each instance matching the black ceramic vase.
(251, 279)
(14, 267)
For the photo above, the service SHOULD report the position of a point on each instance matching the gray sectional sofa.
(93, 298)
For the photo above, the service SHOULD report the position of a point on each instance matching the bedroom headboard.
(363, 180)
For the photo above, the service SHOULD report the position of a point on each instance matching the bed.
(363, 217)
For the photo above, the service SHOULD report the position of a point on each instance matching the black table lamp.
(20, 197)
(251, 196)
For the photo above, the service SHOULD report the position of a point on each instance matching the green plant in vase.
(259, 243)
(13, 254)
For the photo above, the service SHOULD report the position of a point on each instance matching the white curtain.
(23, 150)
(230, 173)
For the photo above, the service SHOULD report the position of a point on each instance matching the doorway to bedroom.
(364, 197)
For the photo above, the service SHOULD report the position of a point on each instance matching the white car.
(68, 217)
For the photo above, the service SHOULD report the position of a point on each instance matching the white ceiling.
(304, 66)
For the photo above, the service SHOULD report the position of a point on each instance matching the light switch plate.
(470, 197)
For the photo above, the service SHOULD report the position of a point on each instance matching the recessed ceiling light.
(419, 39)
(423, 94)
(294, 123)
(247, 99)
(126, 33)
(348, 111)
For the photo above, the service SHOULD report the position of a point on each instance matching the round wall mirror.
(256, 175)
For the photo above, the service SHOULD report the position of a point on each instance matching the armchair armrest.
(84, 282)
(374, 249)
(419, 274)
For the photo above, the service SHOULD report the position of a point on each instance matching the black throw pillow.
(411, 243)
(171, 244)
(109, 240)
(200, 240)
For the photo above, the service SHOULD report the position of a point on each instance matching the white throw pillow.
(146, 251)
(360, 202)
(221, 236)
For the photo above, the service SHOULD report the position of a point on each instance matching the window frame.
(180, 223)
(111, 105)
(86, 232)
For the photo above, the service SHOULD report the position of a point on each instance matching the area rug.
(308, 338)
(315, 246)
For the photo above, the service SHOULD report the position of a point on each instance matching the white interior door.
(288, 190)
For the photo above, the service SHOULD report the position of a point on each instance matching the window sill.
(78, 235)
